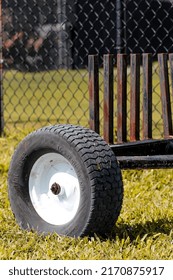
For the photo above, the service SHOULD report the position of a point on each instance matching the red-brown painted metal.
(121, 98)
(147, 95)
(94, 117)
(108, 128)
(171, 72)
(1, 75)
(135, 154)
(135, 97)
(165, 95)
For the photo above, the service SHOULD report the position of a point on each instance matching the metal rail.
(145, 154)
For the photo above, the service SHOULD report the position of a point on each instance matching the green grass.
(61, 96)
(144, 229)
(44, 98)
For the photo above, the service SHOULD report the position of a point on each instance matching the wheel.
(65, 179)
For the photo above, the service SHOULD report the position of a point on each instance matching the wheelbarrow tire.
(65, 179)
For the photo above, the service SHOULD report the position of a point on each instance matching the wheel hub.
(55, 188)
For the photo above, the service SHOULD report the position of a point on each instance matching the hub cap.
(54, 189)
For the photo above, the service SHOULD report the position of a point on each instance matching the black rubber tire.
(98, 173)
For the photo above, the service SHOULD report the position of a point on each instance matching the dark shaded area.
(60, 34)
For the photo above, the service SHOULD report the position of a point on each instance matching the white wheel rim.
(54, 189)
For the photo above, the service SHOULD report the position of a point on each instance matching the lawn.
(37, 99)
(144, 229)
(45, 98)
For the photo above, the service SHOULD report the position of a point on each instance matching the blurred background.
(45, 48)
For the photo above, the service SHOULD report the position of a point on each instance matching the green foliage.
(144, 229)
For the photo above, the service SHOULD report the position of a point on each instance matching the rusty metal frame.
(134, 97)
(121, 98)
(94, 116)
(165, 95)
(108, 98)
(135, 154)
(1, 75)
(147, 95)
(145, 154)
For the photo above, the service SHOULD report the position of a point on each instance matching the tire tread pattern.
(104, 174)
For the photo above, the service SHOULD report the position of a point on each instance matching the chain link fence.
(45, 48)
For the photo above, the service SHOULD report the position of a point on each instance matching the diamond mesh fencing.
(45, 48)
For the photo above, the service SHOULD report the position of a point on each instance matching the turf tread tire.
(97, 161)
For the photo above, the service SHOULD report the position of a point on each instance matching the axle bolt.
(55, 188)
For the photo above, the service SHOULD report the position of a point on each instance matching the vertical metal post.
(121, 71)
(94, 93)
(1, 73)
(171, 71)
(165, 95)
(147, 96)
(64, 50)
(108, 98)
(135, 97)
(121, 98)
(121, 26)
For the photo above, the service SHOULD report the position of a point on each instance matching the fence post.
(1, 69)
(64, 34)
(120, 26)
